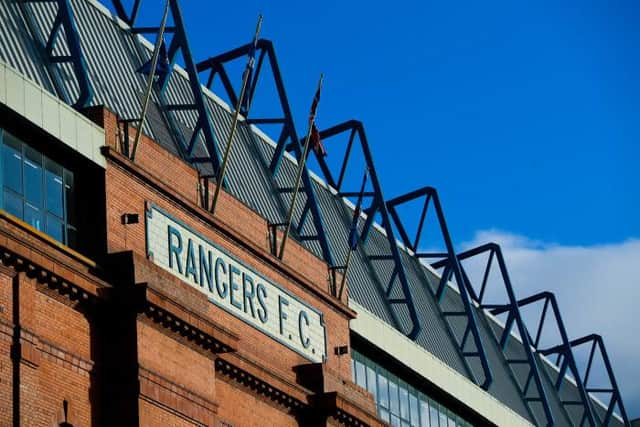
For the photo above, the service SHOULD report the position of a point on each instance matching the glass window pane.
(452, 420)
(404, 403)
(395, 421)
(443, 418)
(13, 204)
(415, 410)
(393, 398)
(12, 163)
(424, 413)
(53, 180)
(70, 197)
(384, 414)
(33, 216)
(383, 391)
(55, 228)
(361, 378)
(405, 424)
(371, 382)
(434, 416)
(33, 177)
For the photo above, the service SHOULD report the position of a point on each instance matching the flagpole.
(344, 274)
(302, 161)
(152, 73)
(236, 115)
(353, 233)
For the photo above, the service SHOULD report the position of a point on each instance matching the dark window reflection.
(12, 163)
(13, 204)
(54, 188)
(33, 177)
(38, 190)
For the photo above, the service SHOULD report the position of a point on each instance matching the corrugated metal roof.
(113, 54)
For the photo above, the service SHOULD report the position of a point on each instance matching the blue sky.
(524, 116)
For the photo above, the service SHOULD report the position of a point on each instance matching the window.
(37, 190)
(398, 402)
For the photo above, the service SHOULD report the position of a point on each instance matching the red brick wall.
(162, 354)
(241, 408)
(54, 361)
(153, 415)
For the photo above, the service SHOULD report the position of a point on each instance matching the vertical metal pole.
(152, 74)
(344, 274)
(296, 189)
(236, 115)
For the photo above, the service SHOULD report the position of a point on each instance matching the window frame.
(47, 167)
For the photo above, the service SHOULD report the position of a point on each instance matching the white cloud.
(597, 289)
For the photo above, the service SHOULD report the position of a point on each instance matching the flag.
(316, 142)
(162, 66)
(314, 106)
(252, 53)
(246, 102)
(354, 237)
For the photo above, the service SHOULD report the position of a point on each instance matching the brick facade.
(124, 342)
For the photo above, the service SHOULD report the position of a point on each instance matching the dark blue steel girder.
(129, 18)
(288, 135)
(513, 316)
(597, 345)
(65, 20)
(451, 266)
(356, 131)
(563, 350)
(179, 44)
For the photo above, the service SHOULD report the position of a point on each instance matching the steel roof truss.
(288, 139)
(451, 268)
(514, 318)
(65, 20)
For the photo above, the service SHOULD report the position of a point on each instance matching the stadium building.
(126, 300)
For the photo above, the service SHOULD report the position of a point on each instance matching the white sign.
(232, 286)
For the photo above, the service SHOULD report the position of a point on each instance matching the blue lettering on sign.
(303, 317)
(261, 292)
(173, 249)
(233, 286)
(282, 302)
(206, 268)
(221, 286)
(191, 263)
(248, 293)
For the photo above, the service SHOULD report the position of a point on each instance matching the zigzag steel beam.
(377, 205)
(288, 131)
(565, 348)
(457, 271)
(514, 311)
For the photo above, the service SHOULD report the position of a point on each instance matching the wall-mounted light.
(130, 218)
(341, 349)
